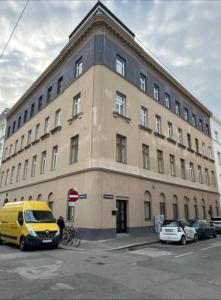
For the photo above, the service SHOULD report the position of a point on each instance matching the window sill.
(78, 116)
(121, 162)
(35, 142)
(145, 128)
(57, 128)
(181, 145)
(204, 156)
(198, 154)
(212, 160)
(8, 158)
(116, 115)
(13, 155)
(28, 146)
(160, 135)
(20, 151)
(44, 136)
(190, 150)
(4, 160)
(170, 140)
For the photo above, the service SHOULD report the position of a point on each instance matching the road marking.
(184, 254)
(202, 249)
(151, 252)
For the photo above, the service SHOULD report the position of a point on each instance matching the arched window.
(210, 211)
(147, 206)
(175, 207)
(6, 201)
(203, 209)
(163, 205)
(30, 198)
(51, 201)
(195, 207)
(186, 208)
(39, 198)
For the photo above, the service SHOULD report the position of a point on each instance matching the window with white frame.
(213, 178)
(207, 176)
(145, 152)
(216, 135)
(22, 142)
(204, 149)
(2, 178)
(60, 85)
(177, 108)
(200, 174)
(167, 100)
(77, 105)
(160, 161)
(197, 145)
(58, 118)
(194, 120)
(46, 125)
(219, 158)
(121, 104)
(192, 173)
(186, 114)
(25, 174)
(172, 165)
(10, 150)
(12, 175)
(18, 172)
(79, 67)
(143, 116)
(54, 162)
(156, 92)
(37, 129)
(6, 177)
(158, 124)
(33, 166)
(43, 162)
(183, 168)
(210, 151)
(16, 146)
(120, 65)
(121, 145)
(74, 149)
(143, 82)
(170, 130)
(29, 137)
(180, 136)
(201, 124)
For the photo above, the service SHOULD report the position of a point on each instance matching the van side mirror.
(20, 221)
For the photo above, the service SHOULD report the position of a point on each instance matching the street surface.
(156, 271)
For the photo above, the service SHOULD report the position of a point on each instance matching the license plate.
(169, 230)
(46, 241)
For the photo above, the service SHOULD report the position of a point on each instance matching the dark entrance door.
(121, 216)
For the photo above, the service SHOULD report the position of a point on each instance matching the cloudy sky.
(185, 36)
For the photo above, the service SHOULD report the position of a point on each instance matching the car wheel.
(163, 242)
(55, 246)
(195, 238)
(183, 240)
(23, 246)
(215, 234)
(0, 241)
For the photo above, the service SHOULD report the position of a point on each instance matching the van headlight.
(57, 233)
(31, 231)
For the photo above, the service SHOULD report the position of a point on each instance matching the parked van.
(28, 224)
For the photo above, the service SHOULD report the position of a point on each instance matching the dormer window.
(78, 67)
(120, 65)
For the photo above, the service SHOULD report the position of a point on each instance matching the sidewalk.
(122, 241)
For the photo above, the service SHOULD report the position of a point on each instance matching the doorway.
(121, 216)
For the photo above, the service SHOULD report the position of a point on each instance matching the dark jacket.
(60, 223)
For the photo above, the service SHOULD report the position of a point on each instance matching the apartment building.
(2, 131)
(215, 125)
(108, 121)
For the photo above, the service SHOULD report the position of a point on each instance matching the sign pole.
(72, 221)
(72, 198)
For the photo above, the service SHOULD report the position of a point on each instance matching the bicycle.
(71, 236)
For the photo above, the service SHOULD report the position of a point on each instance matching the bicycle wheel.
(65, 238)
(76, 240)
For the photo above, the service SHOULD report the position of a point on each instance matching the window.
(147, 210)
(177, 108)
(172, 165)
(203, 209)
(156, 93)
(12, 175)
(49, 94)
(6, 177)
(186, 114)
(54, 162)
(195, 211)
(60, 85)
(142, 82)
(121, 104)
(192, 173)
(32, 110)
(121, 148)
(207, 129)
(200, 174)
(143, 116)
(160, 161)
(58, 118)
(25, 174)
(22, 142)
(162, 209)
(37, 129)
(8, 131)
(183, 168)
(78, 67)
(167, 100)
(29, 137)
(74, 149)
(40, 100)
(194, 120)
(18, 172)
(219, 158)
(175, 211)
(201, 124)
(189, 142)
(33, 166)
(16, 146)
(13, 127)
(197, 145)
(43, 162)
(10, 150)
(180, 136)
(170, 130)
(210, 151)
(213, 178)
(186, 211)
(120, 65)
(204, 149)
(158, 124)
(216, 135)
(6, 152)
(145, 151)
(207, 176)
(46, 125)
(19, 122)
(77, 105)
(2, 176)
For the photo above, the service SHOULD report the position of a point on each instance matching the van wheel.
(195, 239)
(23, 246)
(183, 240)
(0, 241)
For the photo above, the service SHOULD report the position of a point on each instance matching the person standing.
(61, 225)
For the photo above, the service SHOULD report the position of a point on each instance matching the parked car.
(217, 223)
(203, 228)
(177, 231)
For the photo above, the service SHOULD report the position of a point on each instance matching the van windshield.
(39, 216)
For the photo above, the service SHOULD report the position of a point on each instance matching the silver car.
(216, 223)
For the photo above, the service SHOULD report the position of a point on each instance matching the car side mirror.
(20, 221)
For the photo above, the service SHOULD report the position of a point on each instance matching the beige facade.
(96, 174)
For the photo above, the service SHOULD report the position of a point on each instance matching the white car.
(177, 231)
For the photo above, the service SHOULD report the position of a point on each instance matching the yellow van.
(28, 224)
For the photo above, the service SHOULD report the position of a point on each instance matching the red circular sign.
(73, 196)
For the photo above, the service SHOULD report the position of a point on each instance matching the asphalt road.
(158, 271)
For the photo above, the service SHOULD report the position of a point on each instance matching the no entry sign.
(72, 197)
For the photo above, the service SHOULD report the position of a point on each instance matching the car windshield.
(216, 219)
(170, 223)
(39, 216)
(194, 224)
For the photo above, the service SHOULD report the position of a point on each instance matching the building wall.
(3, 124)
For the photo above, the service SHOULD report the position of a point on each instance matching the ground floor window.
(147, 210)
(175, 211)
